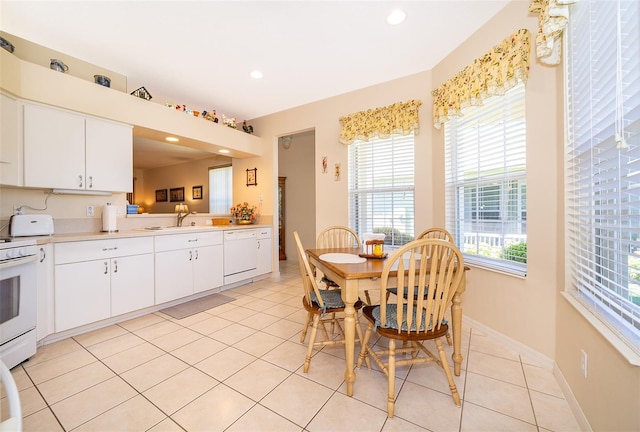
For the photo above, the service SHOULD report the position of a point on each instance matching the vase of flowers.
(244, 213)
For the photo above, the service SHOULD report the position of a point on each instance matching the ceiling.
(200, 53)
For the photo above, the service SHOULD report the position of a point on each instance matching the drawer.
(264, 233)
(100, 249)
(187, 241)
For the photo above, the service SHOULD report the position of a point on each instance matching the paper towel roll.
(109, 217)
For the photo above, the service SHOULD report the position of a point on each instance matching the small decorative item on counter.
(132, 208)
(229, 121)
(374, 249)
(102, 80)
(247, 128)
(58, 66)
(142, 93)
(7, 45)
(244, 213)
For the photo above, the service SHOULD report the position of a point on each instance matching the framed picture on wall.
(161, 195)
(252, 177)
(196, 192)
(176, 194)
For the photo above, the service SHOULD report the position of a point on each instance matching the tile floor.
(238, 367)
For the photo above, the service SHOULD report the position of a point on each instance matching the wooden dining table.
(354, 277)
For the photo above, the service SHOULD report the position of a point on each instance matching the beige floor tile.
(432, 376)
(428, 408)
(166, 425)
(342, 413)
(20, 377)
(63, 386)
(496, 367)
(154, 331)
(300, 316)
(487, 345)
(553, 413)
(176, 339)
(141, 322)
(245, 289)
(542, 380)
(237, 314)
(283, 310)
(258, 343)
(84, 406)
(257, 379)
(214, 411)
(53, 350)
(259, 305)
(153, 372)
(59, 365)
(132, 357)
(283, 328)
(371, 387)
(396, 424)
(289, 355)
(217, 310)
(114, 346)
(225, 363)
(30, 402)
(259, 418)
(198, 350)
(261, 293)
(135, 414)
(479, 419)
(100, 335)
(259, 321)
(325, 369)
(179, 390)
(278, 296)
(41, 421)
(210, 325)
(297, 399)
(506, 398)
(191, 319)
(232, 334)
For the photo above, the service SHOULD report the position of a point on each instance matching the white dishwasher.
(240, 255)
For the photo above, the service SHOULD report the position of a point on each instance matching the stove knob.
(11, 253)
(22, 252)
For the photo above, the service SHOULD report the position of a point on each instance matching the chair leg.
(303, 335)
(392, 378)
(360, 337)
(449, 341)
(364, 347)
(312, 339)
(447, 372)
(367, 297)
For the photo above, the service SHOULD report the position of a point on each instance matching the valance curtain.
(400, 118)
(553, 15)
(494, 73)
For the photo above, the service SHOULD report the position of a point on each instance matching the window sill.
(632, 356)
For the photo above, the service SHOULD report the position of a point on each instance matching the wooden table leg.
(456, 327)
(349, 297)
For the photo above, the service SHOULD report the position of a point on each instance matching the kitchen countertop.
(137, 232)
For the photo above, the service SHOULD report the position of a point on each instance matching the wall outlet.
(583, 362)
(91, 211)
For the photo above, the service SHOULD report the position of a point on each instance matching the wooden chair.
(437, 233)
(431, 265)
(322, 306)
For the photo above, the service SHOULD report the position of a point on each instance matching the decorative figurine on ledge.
(247, 128)
(229, 121)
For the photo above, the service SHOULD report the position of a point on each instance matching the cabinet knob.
(190, 255)
(196, 254)
(106, 267)
(80, 181)
(90, 181)
(115, 266)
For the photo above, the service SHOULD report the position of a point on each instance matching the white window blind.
(220, 189)
(381, 188)
(603, 162)
(485, 180)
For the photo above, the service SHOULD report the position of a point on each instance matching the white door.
(264, 256)
(53, 148)
(131, 283)
(174, 275)
(207, 268)
(82, 293)
(109, 160)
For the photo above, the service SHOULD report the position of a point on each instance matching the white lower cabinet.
(99, 279)
(44, 282)
(187, 264)
(265, 252)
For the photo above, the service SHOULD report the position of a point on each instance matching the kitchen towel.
(109, 217)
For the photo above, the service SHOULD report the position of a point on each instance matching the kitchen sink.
(175, 228)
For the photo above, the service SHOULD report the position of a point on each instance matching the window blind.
(485, 180)
(220, 189)
(603, 162)
(381, 188)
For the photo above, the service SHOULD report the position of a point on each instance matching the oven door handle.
(18, 261)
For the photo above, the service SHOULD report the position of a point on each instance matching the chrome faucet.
(182, 216)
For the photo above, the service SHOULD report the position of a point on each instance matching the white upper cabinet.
(66, 150)
(10, 144)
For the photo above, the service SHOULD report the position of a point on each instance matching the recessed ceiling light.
(256, 74)
(172, 139)
(396, 17)
(223, 151)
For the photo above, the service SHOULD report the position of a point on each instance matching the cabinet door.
(131, 283)
(264, 256)
(44, 280)
(207, 268)
(82, 293)
(53, 148)
(109, 156)
(174, 275)
(10, 144)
